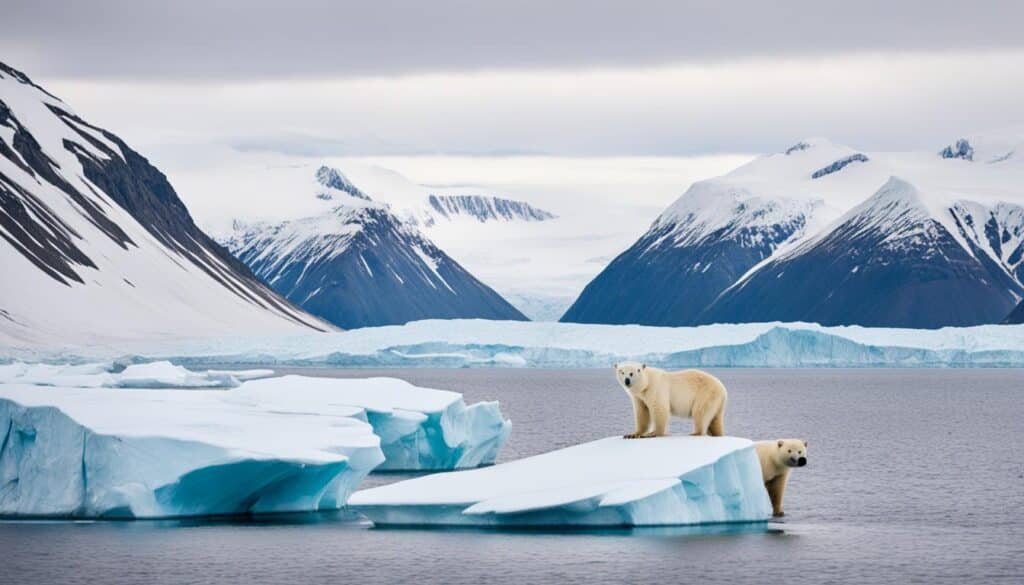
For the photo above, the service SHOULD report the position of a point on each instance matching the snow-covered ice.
(270, 445)
(131, 453)
(479, 343)
(610, 482)
(419, 428)
(161, 374)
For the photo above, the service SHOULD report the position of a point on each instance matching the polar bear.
(656, 394)
(778, 457)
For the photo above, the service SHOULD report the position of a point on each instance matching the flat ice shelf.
(609, 482)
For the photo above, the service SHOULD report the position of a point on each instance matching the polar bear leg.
(643, 419)
(701, 418)
(661, 413)
(717, 426)
(776, 490)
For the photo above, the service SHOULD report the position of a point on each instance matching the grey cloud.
(217, 39)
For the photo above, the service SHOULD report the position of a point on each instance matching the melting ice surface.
(610, 482)
(272, 445)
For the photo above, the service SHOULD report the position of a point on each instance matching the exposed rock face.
(485, 208)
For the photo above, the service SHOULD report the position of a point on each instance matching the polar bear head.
(791, 452)
(632, 376)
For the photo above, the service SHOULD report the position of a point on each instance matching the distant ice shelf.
(271, 445)
(481, 343)
(610, 482)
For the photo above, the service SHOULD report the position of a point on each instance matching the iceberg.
(610, 482)
(131, 453)
(419, 428)
(480, 343)
(286, 444)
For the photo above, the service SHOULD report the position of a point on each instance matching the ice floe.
(610, 482)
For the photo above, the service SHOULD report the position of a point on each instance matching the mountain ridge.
(86, 219)
(358, 265)
(738, 248)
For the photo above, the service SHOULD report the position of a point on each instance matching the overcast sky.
(572, 78)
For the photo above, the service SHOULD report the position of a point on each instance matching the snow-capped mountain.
(823, 233)
(989, 148)
(476, 231)
(97, 246)
(358, 264)
(482, 208)
(422, 205)
(332, 180)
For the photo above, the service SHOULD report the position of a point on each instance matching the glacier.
(678, 480)
(287, 444)
(481, 343)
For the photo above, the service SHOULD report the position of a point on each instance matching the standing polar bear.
(656, 394)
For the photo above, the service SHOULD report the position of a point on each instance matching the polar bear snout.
(796, 462)
(801, 462)
(631, 376)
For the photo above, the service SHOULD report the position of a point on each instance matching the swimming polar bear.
(657, 394)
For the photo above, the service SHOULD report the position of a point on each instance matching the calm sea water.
(915, 476)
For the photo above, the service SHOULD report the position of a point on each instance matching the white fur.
(657, 395)
(778, 457)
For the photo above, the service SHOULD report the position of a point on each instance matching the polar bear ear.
(643, 367)
(781, 443)
(615, 366)
(805, 444)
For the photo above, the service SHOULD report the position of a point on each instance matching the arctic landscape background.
(597, 143)
(345, 270)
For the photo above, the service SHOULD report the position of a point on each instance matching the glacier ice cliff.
(610, 482)
(480, 343)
